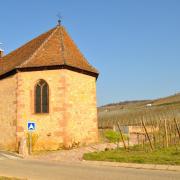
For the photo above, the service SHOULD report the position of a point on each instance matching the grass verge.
(169, 156)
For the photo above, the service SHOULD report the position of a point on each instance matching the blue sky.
(135, 44)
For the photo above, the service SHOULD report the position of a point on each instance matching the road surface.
(41, 170)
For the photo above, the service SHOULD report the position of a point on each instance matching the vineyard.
(150, 127)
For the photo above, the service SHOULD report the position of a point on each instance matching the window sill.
(39, 114)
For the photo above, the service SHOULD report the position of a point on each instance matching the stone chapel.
(48, 81)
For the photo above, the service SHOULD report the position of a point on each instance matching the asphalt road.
(39, 170)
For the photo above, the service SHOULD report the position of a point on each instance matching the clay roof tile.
(53, 48)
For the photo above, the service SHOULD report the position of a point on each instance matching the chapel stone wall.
(8, 109)
(72, 117)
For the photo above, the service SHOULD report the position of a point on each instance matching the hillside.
(174, 99)
(170, 100)
(131, 112)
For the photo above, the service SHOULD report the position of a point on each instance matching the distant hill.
(174, 99)
(125, 105)
(132, 111)
(170, 100)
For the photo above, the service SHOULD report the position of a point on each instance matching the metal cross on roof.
(59, 18)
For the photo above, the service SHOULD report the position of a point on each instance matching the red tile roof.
(53, 48)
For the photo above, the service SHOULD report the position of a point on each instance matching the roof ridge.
(38, 49)
(61, 44)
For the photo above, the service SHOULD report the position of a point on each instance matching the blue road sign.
(31, 126)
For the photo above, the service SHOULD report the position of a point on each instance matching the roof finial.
(1, 51)
(59, 18)
(59, 22)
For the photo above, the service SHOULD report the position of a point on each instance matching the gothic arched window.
(41, 97)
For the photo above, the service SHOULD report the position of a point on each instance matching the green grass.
(170, 156)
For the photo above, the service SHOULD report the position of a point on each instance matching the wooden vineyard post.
(142, 136)
(166, 133)
(128, 142)
(153, 131)
(147, 135)
(138, 138)
(121, 136)
(143, 139)
(177, 128)
(159, 133)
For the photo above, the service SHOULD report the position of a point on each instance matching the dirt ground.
(70, 155)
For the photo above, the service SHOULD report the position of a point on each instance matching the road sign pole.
(30, 143)
(31, 127)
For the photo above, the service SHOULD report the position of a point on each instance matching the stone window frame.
(41, 83)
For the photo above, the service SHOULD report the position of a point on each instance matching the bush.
(114, 137)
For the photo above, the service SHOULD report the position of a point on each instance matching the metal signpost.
(31, 127)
